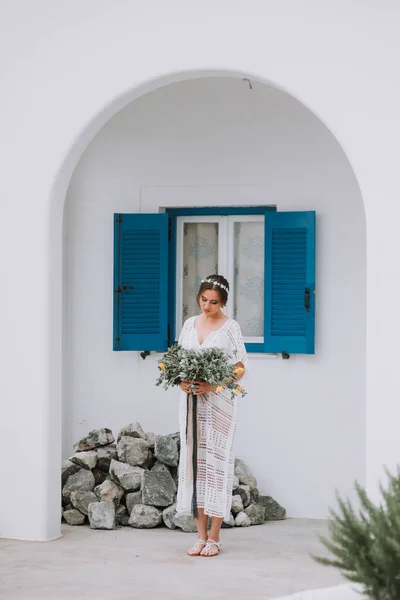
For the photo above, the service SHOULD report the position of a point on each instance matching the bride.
(216, 421)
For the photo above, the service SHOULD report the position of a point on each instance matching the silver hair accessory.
(221, 285)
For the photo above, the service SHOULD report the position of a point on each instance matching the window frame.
(176, 262)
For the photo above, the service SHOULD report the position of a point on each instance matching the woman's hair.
(217, 283)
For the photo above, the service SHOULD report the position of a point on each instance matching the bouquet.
(211, 365)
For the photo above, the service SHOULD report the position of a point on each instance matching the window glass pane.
(200, 258)
(248, 285)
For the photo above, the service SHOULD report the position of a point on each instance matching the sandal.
(195, 550)
(207, 548)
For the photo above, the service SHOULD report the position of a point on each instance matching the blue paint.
(289, 272)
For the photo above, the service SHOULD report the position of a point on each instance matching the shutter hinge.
(119, 218)
(169, 335)
(144, 354)
(170, 229)
(285, 355)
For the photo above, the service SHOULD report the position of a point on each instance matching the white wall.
(214, 141)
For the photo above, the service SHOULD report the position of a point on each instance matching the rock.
(101, 515)
(158, 488)
(133, 451)
(73, 517)
(228, 524)
(244, 492)
(100, 476)
(134, 430)
(121, 515)
(95, 438)
(145, 517)
(81, 500)
(237, 504)
(256, 514)
(158, 466)
(132, 499)
(242, 520)
(244, 474)
(151, 438)
(166, 450)
(68, 468)
(126, 476)
(82, 481)
(109, 491)
(254, 493)
(149, 462)
(273, 511)
(105, 455)
(235, 482)
(168, 516)
(186, 523)
(86, 460)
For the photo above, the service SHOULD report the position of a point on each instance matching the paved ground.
(256, 563)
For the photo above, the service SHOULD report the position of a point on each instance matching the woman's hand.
(185, 387)
(202, 387)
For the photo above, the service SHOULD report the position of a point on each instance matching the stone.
(145, 517)
(166, 450)
(272, 510)
(168, 516)
(158, 488)
(100, 476)
(244, 474)
(132, 499)
(81, 500)
(121, 515)
(86, 460)
(237, 504)
(254, 493)
(134, 430)
(104, 456)
(151, 438)
(244, 492)
(133, 451)
(235, 482)
(149, 462)
(82, 481)
(159, 466)
(109, 491)
(229, 524)
(95, 438)
(186, 523)
(256, 514)
(73, 517)
(126, 476)
(242, 520)
(101, 515)
(68, 468)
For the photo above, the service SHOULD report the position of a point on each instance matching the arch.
(80, 141)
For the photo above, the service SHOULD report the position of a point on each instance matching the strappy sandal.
(197, 547)
(207, 547)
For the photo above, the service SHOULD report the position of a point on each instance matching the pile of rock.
(133, 481)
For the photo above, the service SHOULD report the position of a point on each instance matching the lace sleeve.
(237, 344)
(185, 328)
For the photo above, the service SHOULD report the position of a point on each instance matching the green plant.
(366, 543)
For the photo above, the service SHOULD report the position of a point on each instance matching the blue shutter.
(140, 282)
(289, 282)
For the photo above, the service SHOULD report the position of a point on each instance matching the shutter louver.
(141, 282)
(289, 282)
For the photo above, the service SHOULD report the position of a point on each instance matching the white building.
(129, 107)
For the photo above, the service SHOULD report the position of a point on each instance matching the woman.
(216, 421)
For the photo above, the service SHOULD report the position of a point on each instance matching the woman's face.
(210, 302)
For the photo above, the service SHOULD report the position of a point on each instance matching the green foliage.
(366, 544)
(212, 365)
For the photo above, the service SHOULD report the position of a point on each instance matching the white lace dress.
(216, 428)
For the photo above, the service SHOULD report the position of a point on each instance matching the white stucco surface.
(211, 142)
(66, 68)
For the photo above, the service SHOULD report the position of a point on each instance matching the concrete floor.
(261, 562)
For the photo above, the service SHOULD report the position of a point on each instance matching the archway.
(300, 369)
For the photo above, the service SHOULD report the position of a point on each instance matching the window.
(268, 258)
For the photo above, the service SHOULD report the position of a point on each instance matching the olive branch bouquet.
(211, 365)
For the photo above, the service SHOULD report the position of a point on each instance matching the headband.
(221, 285)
